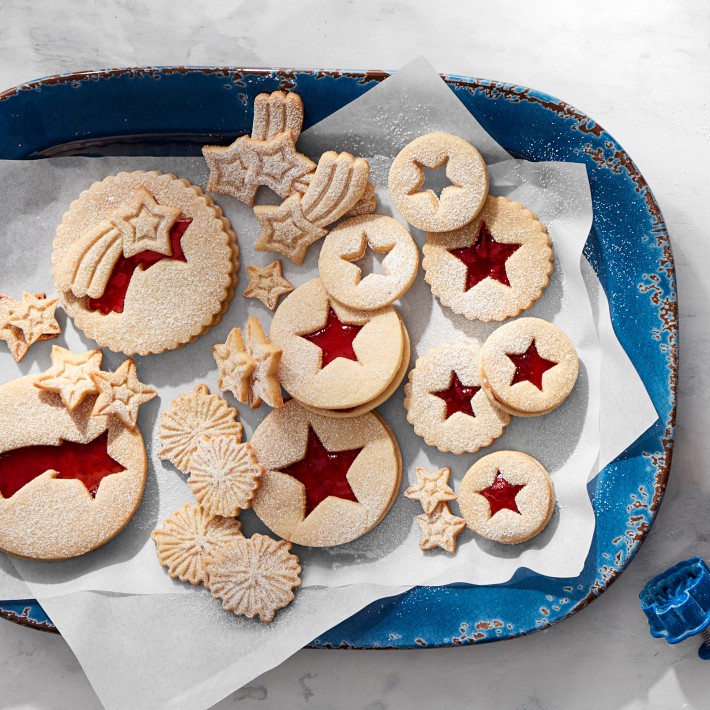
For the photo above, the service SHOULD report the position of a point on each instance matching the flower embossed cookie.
(507, 497)
(144, 248)
(335, 357)
(446, 403)
(327, 481)
(528, 367)
(492, 268)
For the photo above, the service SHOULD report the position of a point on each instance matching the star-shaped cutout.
(434, 180)
(285, 229)
(440, 528)
(267, 284)
(530, 366)
(120, 393)
(234, 365)
(145, 225)
(485, 258)
(23, 323)
(501, 495)
(431, 488)
(457, 397)
(70, 375)
(323, 473)
(335, 339)
(265, 385)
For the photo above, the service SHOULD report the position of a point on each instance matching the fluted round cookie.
(347, 243)
(459, 202)
(494, 267)
(145, 262)
(528, 367)
(335, 357)
(446, 403)
(327, 481)
(507, 497)
(53, 514)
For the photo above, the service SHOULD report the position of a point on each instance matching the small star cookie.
(121, 393)
(431, 488)
(254, 576)
(70, 375)
(235, 366)
(267, 284)
(189, 537)
(23, 323)
(440, 528)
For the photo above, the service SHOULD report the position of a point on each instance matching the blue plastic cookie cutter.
(677, 603)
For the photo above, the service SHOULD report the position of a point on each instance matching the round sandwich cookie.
(327, 481)
(144, 249)
(507, 497)
(494, 267)
(528, 367)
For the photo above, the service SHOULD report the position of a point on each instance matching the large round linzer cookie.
(69, 481)
(327, 481)
(145, 262)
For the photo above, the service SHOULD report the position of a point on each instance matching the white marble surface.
(640, 68)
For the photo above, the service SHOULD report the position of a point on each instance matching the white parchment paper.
(566, 441)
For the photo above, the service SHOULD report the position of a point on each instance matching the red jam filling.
(530, 366)
(88, 463)
(457, 397)
(323, 472)
(485, 258)
(501, 495)
(335, 339)
(113, 297)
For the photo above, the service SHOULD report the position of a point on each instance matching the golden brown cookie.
(494, 267)
(528, 367)
(507, 497)
(335, 357)
(458, 203)
(431, 488)
(346, 245)
(440, 528)
(23, 323)
(144, 248)
(189, 537)
(267, 284)
(327, 481)
(445, 401)
(190, 418)
(69, 481)
(254, 576)
(70, 375)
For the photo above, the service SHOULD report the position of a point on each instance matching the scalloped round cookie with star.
(145, 248)
(494, 267)
(327, 481)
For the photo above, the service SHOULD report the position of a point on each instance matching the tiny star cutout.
(530, 366)
(145, 225)
(485, 258)
(323, 473)
(34, 316)
(335, 339)
(121, 394)
(457, 397)
(70, 375)
(431, 488)
(267, 284)
(501, 495)
(235, 366)
(440, 528)
(285, 229)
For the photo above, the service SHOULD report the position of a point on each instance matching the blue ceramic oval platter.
(174, 111)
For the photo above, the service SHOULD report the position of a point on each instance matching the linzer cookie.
(346, 245)
(528, 367)
(23, 323)
(70, 480)
(459, 202)
(327, 481)
(338, 184)
(445, 401)
(144, 262)
(507, 497)
(492, 268)
(267, 157)
(335, 357)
